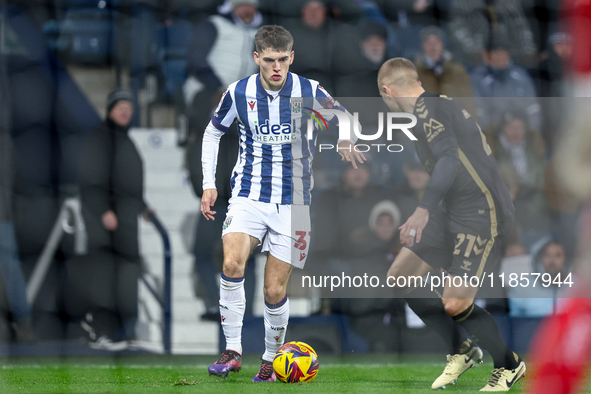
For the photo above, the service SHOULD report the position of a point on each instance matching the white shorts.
(284, 230)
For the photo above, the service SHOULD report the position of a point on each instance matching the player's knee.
(454, 306)
(233, 268)
(274, 293)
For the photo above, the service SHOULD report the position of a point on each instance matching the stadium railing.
(164, 299)
(70, 212)
(70, 221)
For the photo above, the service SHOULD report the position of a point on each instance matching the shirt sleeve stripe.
(218, 125)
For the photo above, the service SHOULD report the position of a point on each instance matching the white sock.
(232, 306)
(276, 318)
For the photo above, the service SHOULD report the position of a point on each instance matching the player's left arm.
(444, 146)
(345, 148)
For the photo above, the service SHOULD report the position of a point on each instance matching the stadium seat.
(172, 55)
(170, 63)
(101, 4)
(87, 36)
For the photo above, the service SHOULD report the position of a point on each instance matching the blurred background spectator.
(409, 17)
(384, 220)
(220, 53)
(552, 79)
(440, 74)
(104, 283)
(499, 85)
(520, 150)
(314, 39)
(548, 260)
(410, 191)
(357, 57)
(549, 74)
(474, 23)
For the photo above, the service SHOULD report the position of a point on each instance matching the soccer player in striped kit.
(271, 186)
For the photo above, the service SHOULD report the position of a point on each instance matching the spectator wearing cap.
(357, 57)
(520, 150)
(550, 73)
(437, 71)
(499, 86)
(312, 33)
(111, 181)
(384, 220)
(551, 79)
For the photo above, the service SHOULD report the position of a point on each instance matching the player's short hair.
(274, 37)
(398, 72)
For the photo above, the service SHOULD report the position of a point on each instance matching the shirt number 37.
(301, 242)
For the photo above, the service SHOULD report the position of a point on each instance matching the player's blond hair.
(398, 72)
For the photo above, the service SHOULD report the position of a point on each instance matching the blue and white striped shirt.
(275, 158)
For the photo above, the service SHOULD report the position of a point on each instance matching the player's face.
(274, 66)
(121, 113)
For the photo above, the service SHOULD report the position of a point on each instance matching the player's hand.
(414, 226)
(109, 220)
(207, 201)
(348, 152)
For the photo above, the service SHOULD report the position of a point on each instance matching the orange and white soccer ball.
(295, 362)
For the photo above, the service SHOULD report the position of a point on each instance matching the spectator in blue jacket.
(500, 86)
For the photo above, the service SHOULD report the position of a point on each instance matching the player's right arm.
(209, 159)
(444, 146)
(220, 123)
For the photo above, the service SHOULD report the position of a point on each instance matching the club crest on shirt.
(296, 104)
(227, 222)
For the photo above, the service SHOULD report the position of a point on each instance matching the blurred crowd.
(505, 61)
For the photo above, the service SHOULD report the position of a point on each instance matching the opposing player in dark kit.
(459, 226)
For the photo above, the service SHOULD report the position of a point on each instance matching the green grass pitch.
(185, 374)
